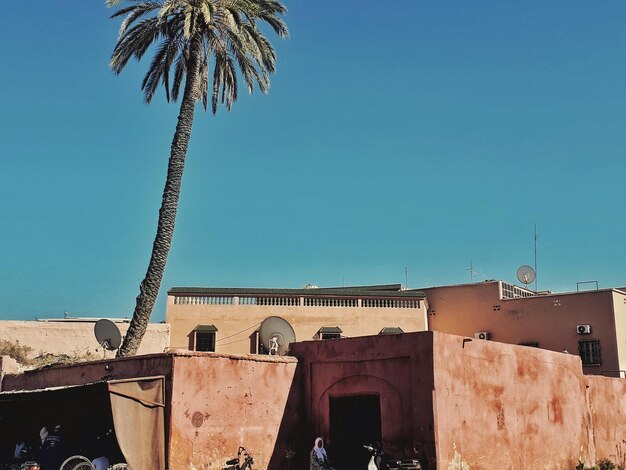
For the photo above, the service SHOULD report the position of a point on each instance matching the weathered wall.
(238, 322)
(492, 405)
(220, 402)
(462, 403)
(503, 406)
(397, 368)
(90, 372)
(549, 320)
(76, 338)
(606, 400)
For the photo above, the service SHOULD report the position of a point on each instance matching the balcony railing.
(296, 301)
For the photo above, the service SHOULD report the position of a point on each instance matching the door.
(354, 422)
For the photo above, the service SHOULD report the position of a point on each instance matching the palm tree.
(194, 40)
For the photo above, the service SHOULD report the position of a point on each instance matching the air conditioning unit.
(481, 335)
(583, 329)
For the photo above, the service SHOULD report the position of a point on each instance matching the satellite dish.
(276, 334)
(526, 274)
(107, 334)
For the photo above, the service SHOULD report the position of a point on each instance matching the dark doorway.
(354, 422)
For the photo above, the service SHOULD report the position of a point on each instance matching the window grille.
(204, 338)
(589, 351)
(205, 341)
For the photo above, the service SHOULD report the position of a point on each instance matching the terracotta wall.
(220, 402)
(503, 406)
(549, 320)
(397, 368)
(75, 338)
(89, 372)
(468, 403)
(606, 399)
(459, 403)
(235, 323)
(214, 403)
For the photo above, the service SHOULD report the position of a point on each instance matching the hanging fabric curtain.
(137, 406)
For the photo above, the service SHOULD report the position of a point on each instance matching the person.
(319, 457)
(52, 449)
(23, 451)
(101, 448)
(101, 463)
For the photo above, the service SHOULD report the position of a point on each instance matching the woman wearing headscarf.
(319, 458)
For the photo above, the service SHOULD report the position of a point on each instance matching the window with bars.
(204, 338)
(589, 351)
(205, 341)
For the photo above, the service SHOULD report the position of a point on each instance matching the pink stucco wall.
(214, 402)
(457, 402)
(606, 399)
(220, 402)
(90, 372)
(503, 406)
(468, 403)
(396, 368)
(549, 320)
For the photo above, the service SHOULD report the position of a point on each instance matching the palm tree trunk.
(149, 287)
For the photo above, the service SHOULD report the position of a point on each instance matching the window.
(256, 345)
(589, 350)
(329, 332)
(204, 338)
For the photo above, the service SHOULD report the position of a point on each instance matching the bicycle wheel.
(76, 462)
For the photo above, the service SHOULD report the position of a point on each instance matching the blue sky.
(409, 133)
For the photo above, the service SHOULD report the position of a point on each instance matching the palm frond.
(135, 42)
(232, 44)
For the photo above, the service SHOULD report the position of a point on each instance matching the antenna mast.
(536, 290)
(472, 272)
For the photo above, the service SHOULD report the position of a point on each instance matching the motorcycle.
(380, 461)
(243, 461)
(29, 466)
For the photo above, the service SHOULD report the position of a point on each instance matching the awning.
(391, 330)
(207, 328)
(330, 330)
(133, 407)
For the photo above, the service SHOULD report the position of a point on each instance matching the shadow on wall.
(291, 451)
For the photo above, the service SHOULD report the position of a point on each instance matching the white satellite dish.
(276, 334)
(526, 274)
(107, 334)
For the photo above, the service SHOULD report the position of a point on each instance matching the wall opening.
(354, 422)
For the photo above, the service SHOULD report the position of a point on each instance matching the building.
(591, 324)
(74, 337)
(226, 320)
(167, 411)
(454, 402)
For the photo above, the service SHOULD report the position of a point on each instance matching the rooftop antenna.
(406, 277)
(472, 272)
(536, 290)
